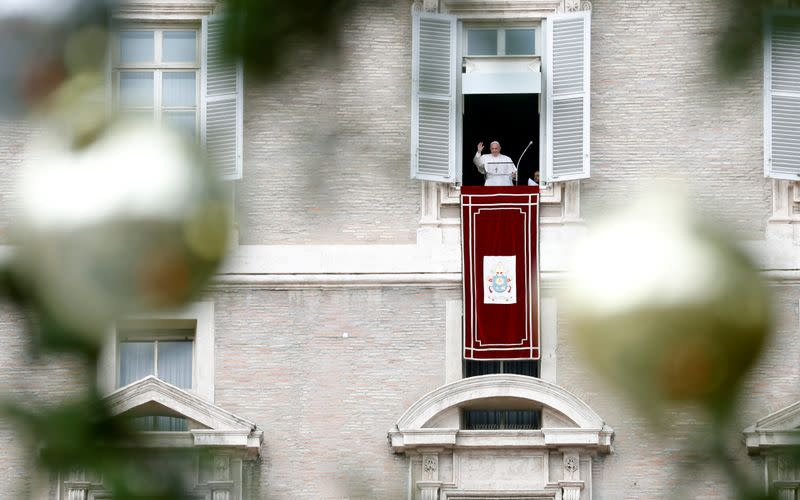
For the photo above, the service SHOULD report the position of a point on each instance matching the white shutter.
(565, 121)
(221, 106)
(782, 96)
(433, 97)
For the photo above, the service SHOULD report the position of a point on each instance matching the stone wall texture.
(327, 146)
(660, 112)
(325, 373)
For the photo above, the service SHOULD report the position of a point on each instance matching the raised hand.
(480, 147)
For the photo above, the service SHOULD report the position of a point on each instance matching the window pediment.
(217, 427)
(776, 430)
(582, 427)
(502, 9)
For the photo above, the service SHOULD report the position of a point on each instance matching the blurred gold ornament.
(666, 306)
(134, 221)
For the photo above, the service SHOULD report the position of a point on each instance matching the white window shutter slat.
(782, 96)
(433, 95)
(565, 127)
(221, 107)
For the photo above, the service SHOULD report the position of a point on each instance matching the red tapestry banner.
(500, 227)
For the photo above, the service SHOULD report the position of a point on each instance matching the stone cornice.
(369, 280)
(224, 429)
(776, 430)
(501, 9)
(409, 433)
(156, 10)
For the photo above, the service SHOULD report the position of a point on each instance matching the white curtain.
(136, 89)
(179, 46)
(136, 361)
(136, 47)
(175, 363)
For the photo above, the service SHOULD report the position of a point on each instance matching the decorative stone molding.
(430, 5)
(571, 485)
(77, 493)
(512, 386)
(222, 467)
(572, 467)
(429, 490)
(441, 203)
(222, 428)
(776, 437)
(416, 434)
(164, 10)
(430, 467)
(513, 9)
(502, 9)
(777, 430)
(549, 492)
(221, 495)
(575, 5)
(571, 490)
(784, 223)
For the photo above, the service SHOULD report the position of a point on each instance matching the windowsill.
(504, 57)
(560, 204)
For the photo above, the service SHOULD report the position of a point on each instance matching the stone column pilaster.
(571, 485)
(430, 484)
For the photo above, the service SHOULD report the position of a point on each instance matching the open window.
(782, 95)
(514, 83)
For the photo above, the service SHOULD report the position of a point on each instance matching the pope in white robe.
(498, 169)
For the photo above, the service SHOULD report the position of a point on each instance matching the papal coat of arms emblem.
(500, 286)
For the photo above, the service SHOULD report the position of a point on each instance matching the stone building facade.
(327, 351)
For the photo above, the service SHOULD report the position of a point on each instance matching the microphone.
(520, 159)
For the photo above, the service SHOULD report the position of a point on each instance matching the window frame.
(155, 332)
(203, 365)
(771, 17)
(573, 155)
(158, 67)
(500, 28)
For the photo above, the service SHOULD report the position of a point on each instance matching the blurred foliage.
(742, 40)
(54, 65)
(267, 33)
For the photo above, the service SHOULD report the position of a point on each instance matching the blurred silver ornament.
(666, 306)
(135, 220)
(45, 42)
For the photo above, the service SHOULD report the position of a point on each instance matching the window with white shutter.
(221, 108)
(178, 76)
(156, 76)
(564, 83)
(433, 110)
(565, 120)
(782, 96)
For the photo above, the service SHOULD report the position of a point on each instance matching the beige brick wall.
(660, 112)
(326, 402)
(14, 137)
(326, 161)
(27, 378)
(327, 147)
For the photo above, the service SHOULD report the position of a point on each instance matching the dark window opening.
(502, 419)
(160, 423)
(510, 119)
(527, 367)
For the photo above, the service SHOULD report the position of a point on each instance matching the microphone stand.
(520, 159)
